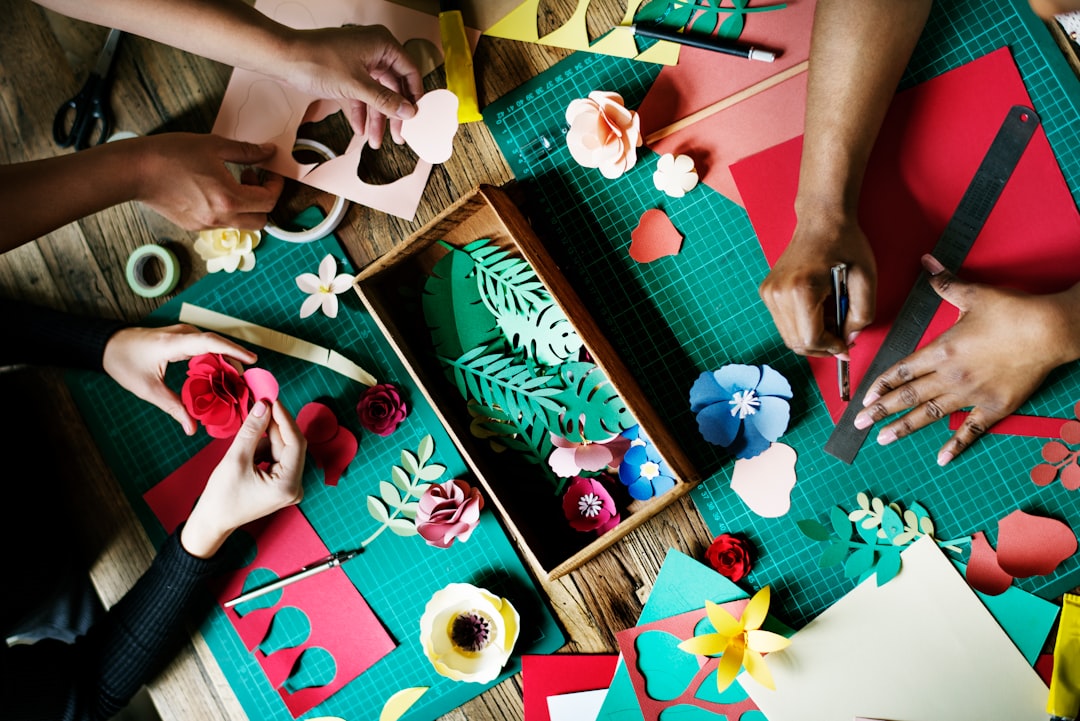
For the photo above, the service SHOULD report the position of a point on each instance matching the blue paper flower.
(741, 408)
(643, 470)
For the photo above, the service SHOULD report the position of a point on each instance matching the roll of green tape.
(136, 271)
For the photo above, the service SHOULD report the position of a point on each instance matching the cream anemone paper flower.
(324, 288)
(228, 249)
(675, 175)
(603, 133)
(742, 642)
(468, 633)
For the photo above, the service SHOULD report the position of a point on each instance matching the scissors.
(79, 119)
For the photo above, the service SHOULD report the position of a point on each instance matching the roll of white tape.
(331, 222)
(136, 271)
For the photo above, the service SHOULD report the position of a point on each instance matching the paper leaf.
(888, 566)
(494, 382)
(408, 510)
(834, 555)
(402, 526)
(431, 473)
(377, 510)
(861, 561)
(593, 408)
(546, 336)
(409, 462)
(840, 523)
(891, 523)
(814, 530)
(389, 494)
(764, 483)
(396, 706)
(453, 308)
(423, 454)
(508, 285)
(400, 478)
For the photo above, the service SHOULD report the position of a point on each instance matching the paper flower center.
(589, 505)
(649, 470)
(744, 403)
(471, 631)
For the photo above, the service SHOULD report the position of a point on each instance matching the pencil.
(705, 42)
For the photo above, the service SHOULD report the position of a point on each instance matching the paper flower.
(215, 394)
(675, 175)
(569, 458)
(448, 511)
(730, 556)
(381, 409)
(741, 642)
(324, 288)
(228, 249)
(741, 408)
(643, 470)
(468, 633)
(603, 133)
(589, 507)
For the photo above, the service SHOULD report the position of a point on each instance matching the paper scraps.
(882, 531)
(741, 408)
(331, 445)
(654, 237)
(764, 483)
(324, 288)
(675, 175)
(228, 249)
(396, 706)
(557, 675)
(1060, 458)
(468, 633)
(430, 133)
(603, 133)
(1028, 545)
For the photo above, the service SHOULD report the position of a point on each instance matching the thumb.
(947, 285)
(251, 432)
(236, 151)
(861, 304)
(169, 402)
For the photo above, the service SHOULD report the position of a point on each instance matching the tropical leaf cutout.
(592, 409)
(497, 381)
(546, 336)
(508, 285)
(532, 443)
(453, 309)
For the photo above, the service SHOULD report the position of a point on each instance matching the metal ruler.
(951, 249)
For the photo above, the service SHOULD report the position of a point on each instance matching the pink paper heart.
(654, 237)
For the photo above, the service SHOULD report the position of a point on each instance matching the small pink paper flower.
(381, 409)
(448, 511)
(215, 394)
(569, 458)
(589, 507)
(603, 133)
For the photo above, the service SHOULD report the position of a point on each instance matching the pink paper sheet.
(342, 623)
(560, 673)
(703, 77)
(933, 139)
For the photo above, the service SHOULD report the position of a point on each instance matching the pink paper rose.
(448, 511)
(215, 394)
(589, 507)
(603, 133)
(381, 409)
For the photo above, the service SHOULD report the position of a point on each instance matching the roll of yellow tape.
(136, 271)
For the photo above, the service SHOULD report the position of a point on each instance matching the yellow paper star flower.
(741, 642)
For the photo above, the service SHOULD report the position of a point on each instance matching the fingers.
(973, 427)
(798, 311)
(954, 290)
(861, 303)
(236, 151)
(168, 401)
(193, 342)
(246, 443)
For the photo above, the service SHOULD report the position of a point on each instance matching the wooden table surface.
(44, 59)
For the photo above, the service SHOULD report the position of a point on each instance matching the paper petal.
(706, 391)
(1031, 545)
(772, 417)
(308, 282)
(396, 706)
(593, 457)
(766, 641)
(773, 383)
(709, 644)
(329, 304)
(983, 572)
(755, 612)
(263, 385)
(729, 665)
(430, 133)
(724, 623)
(317, 422)
(654, 237)
(341, 283)
(735, 377)
(717, 425)
(755, 666)
(311, 304)
(764, 482)
(327, 270)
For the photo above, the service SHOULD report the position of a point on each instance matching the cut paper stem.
(727, 102)
(1016, 425)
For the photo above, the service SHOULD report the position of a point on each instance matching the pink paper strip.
(1017, 425)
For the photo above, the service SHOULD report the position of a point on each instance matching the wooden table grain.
(44, 58)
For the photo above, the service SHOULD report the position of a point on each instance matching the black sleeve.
(43, 336)
(95, 677)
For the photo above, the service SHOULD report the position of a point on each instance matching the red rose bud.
(730, 556)
(381, 409)
(215, 394)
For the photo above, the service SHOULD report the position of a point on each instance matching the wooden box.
(527, 501)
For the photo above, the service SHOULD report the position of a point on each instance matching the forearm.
(43, 336)
(859, 49)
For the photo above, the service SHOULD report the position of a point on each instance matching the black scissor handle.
(84, 120)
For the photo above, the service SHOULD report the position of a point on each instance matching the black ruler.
(951, 249)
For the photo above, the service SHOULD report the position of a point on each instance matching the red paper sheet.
(932, 141)
(554, 675)
(1017, 425)
(342, 623)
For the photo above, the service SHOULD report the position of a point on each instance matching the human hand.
(796, 289)
(260, 473)
(183, 177)
(1000, 350)
(365, 68)
(136, 358)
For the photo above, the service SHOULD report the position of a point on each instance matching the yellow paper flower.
(228, 249)
(741, 642)
(468, 633)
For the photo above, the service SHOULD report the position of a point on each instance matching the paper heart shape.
(764, 482)
(667, 670)
(430, 133)
(654, 237)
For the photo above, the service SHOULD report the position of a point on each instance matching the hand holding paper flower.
(381, 409)
(215, 394)
(448, 511)
(738, 642)
(324, 288)
(468, 633)
(603, 133)
(227, 249)
(741, 408)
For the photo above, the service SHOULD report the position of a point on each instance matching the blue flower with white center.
(643, 470)
(741, 408)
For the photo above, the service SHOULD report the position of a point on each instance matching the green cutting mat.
(396, 575)
(676, 317)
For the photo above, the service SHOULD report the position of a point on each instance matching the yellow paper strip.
(274, 340)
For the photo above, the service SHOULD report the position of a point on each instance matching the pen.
(325, 564)
(840, 295)
(705, 42)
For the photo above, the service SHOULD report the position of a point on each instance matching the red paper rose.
(381, 409)
(215, 394)
(589, 507)
(447, 511)
(731, 556)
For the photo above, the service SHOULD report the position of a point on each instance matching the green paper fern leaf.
(497, 381)
(593, 409)
(507, 285)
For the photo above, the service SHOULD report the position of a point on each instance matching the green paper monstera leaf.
(455, 313)
(508, 285)
(545, 336)
(499, 381)
(593, 410)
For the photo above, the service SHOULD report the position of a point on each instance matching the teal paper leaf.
(507, 285)
(867, 533)
(888, 565)
(840, 523)
(592, 409)
(497, 381)
(891, 523)
(813, 530)
(667, 12)
(667, 670)
(453, 309)
(859, 562)
(834, 555)
(546, 336)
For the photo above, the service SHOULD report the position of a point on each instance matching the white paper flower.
(324, 288)
(468, 633)
(228, 249)
(675, 175)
